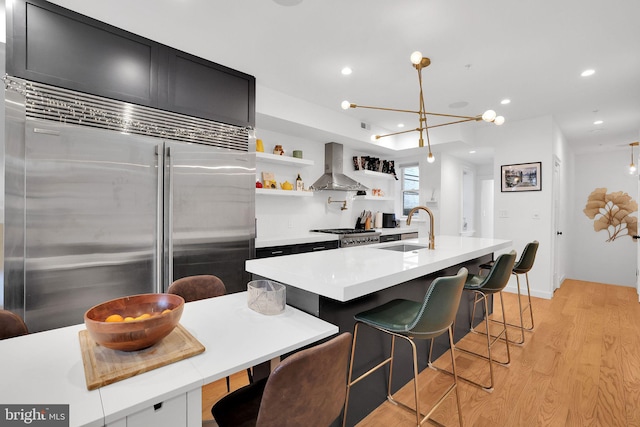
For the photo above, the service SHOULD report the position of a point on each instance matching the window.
(410, 187)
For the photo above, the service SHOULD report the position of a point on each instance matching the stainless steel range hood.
(334, 178)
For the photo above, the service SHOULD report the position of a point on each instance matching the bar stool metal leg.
(523, 266)
(491, 339)
(413, 320)
(502, 321)
(420, 417)
(521, 311)
(482, 287)
(529, 305)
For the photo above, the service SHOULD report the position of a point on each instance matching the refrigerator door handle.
(46, 131)
(159, 220)
(169, 236)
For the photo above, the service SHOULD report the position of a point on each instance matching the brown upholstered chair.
(194, 288)
(11, 325)
(307, 388)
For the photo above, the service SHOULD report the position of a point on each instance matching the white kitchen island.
(336, 284)
(353, 272)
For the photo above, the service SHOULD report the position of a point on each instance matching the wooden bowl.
(136, 334)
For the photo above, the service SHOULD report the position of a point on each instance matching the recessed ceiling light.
(587, 73)
(598, 122)
(288, 2)
(346, 71)
(400, 125)
(459, 104)
(472, 152)
(505, 101)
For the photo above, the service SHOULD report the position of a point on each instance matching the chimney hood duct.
(333, 178)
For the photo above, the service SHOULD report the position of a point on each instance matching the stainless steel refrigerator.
(105, 199)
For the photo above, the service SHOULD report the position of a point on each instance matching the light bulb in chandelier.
(489, 116)
(498, 120)
(416, 57)
(345, 105)
(632, 166)
(431, 158)
(375, 137)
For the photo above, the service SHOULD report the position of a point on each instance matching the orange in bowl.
(150, 321)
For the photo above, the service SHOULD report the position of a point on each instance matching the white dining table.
(46, 367)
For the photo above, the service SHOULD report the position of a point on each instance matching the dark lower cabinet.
(315, 247)
(273, 251)
(49, 44)
(295, 249)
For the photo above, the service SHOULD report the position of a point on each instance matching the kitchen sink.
(403, 248)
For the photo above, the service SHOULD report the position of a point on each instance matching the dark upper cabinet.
(53, 45)
(201, 88)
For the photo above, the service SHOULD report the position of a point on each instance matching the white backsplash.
(279, 216)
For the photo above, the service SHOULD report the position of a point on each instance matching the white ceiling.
(481, 52)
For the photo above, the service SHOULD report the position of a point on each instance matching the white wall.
(279, 216)
(525, 216)
(565, 187)
(593, 258)
(486, 205)
(451, 196)
(3, 24)
(431, 184)
(484, 200)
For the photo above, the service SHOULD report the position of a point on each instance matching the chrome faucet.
(432, 238)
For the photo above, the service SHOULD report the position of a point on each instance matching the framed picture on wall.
(521, 177)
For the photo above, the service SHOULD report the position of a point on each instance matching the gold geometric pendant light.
(419, 62)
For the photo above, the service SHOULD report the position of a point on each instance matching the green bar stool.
(411, 320)
(483, 286)
(523, 266)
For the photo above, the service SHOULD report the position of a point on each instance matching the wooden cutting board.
(104, 366)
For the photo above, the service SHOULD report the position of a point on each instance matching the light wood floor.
(579, 367)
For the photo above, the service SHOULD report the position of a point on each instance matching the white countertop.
(46, 367)
(235, 338)
(312, 237)
(348, 273)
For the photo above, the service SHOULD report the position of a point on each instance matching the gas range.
(353, 236)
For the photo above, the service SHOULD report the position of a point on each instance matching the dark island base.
(374, 346)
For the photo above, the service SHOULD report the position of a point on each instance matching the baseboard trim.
(534, 293)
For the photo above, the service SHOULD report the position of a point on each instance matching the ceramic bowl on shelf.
(135, 322)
